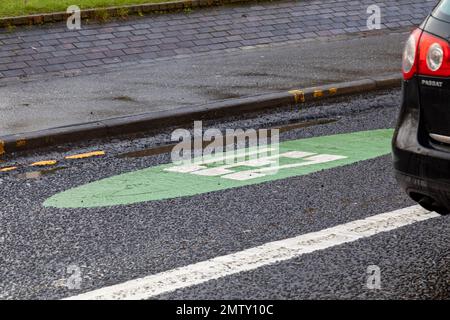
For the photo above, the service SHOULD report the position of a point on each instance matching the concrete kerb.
(163, 119)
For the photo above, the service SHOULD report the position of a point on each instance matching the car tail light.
(434, 56)
(426, 55)
(410, 54)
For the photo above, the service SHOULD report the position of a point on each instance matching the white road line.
(256, 257)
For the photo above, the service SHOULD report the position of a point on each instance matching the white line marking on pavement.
(256, 257)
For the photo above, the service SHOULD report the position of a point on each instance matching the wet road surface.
(50, 252)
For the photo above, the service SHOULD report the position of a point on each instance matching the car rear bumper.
(421, 169)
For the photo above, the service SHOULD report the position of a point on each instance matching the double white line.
(253, 258)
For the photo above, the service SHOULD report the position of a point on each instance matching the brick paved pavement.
(53, 49)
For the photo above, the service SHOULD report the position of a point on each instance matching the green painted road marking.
(296, 158)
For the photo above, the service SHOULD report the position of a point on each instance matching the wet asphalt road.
(111, 245)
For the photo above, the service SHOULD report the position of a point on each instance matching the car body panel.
(421, 162)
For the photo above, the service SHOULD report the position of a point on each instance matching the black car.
(421, 143)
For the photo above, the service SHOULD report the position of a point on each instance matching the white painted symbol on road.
(264, 165)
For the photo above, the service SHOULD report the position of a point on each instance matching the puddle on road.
(147, 152)
(305, 124)
(38, 174)
(124, 98)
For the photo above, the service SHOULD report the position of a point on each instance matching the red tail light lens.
(426, 55)
(434, 56)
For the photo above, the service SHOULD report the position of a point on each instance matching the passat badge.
(432, 83)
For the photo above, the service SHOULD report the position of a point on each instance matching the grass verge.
(12, 8)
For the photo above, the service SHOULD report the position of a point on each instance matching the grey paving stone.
(53, 48)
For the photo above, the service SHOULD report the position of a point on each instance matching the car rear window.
(442, 10)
